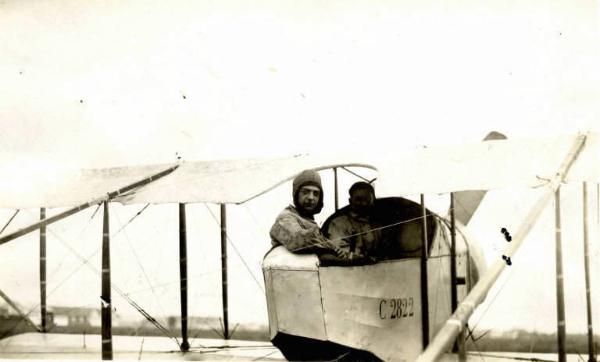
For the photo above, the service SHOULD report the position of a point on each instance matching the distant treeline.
(527, 341)
(510, 341)
(16, 325)
(12, 325)
(249, 334)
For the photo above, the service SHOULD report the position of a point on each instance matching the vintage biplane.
(389, 310)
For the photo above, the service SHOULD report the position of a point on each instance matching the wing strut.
(224, 285)
(43, 311)
(183, 284)
(424, 277)
(109, 196)
(455, 324)
(586, 265)
(560, 290)
(106, 299)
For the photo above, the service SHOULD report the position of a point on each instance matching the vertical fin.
(467, 202)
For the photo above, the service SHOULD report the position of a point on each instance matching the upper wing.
(226, 181)
(480, 166)
(486, 165)
(232, 181)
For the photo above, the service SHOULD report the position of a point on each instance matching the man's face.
(361, 201)
(308, 198)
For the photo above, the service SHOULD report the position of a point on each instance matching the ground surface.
(38, 346)
(71, 346)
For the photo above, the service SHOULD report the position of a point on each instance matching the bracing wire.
(471, 331)
(256, 223)
(356, 174)
(115, 287)
(137, 258)
(152, 287)
(474, 340)
(493, 299)
(164, 330)
(130, 220)
(31, 310)
(504, 357)
(96, 211)
(165, 284)
(87, 259)
(236, 250)
(139, 262)
(9, 221)
(470, 334)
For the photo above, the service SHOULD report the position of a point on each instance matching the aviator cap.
(308, 177)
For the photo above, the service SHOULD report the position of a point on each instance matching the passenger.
(295, 227)
(355, 231)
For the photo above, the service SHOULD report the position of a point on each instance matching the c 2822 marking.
(396, 308)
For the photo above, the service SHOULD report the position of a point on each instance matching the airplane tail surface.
(467, 202)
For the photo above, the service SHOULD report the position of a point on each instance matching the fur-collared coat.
(295, 232)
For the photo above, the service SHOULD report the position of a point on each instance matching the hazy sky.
(105, 83)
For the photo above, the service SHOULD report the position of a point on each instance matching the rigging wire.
(536, 314)
(171, 282)
(265, 356)
(214, 286)
(114, 286)
(446, 293)
(504, 357)
(259, 227)
(511, 273)
(160, 327)
(384, 227)
(236, 250)
(208, 349)
(474, 341)
(138, 259)
(96, 211)
(356, 174)
(31, 310)
(87, 259)
(87, 224)
(491, 301)
(440, 276)
(130, 220)
(145, 274)
(9, 221)
(449, 227)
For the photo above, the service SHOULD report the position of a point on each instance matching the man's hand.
(341, 252)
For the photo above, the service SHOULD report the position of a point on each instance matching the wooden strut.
(185, 345)
(109, 196)
(224, 271)
(44, 315)
(424, 275)
(586, 264)
(106, 303)
(455, 324)
(560, 294)
(460, 341)
(335, 188)
(454, 291)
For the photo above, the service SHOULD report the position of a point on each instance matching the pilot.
(295, 227)
(355, 231)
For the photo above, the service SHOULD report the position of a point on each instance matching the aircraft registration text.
(396, 308)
